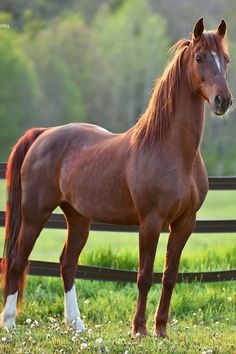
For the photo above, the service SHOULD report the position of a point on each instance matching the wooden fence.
(57, 221)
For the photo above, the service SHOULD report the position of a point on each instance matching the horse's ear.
(222, 29)
(198, 29)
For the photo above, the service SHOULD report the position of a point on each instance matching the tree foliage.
(18, 90)
(96, 61)
(127, 39)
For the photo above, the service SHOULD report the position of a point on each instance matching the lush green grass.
(202, 318)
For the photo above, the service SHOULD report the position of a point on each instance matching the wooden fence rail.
(57, 221)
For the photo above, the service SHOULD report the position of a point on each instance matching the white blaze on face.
(8, 315)
(72, 313)
(217, 60)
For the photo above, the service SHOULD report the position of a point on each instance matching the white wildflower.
(74, 339)
(90, 331)
(52, 320)
(83, 346)
(4, 339)
(99, 340)
(28, 321)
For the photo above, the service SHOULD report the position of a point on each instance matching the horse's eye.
(227, 60)
(198, 59)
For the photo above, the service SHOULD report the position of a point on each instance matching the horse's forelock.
(211, 41)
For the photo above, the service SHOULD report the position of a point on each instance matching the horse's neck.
(188, 122)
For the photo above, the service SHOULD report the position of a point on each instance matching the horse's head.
(208, 66)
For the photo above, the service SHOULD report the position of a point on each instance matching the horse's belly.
(113, 210)
(102, 195)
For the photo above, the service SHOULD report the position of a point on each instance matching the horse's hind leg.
(37, 204)
(29, 232)
(78, 230)
(180, 232)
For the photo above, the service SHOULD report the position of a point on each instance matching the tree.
(133, 45)
(18, 90)
(57, 55)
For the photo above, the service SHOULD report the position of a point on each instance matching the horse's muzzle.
(221, 104)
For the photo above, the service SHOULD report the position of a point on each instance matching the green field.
(202, 318)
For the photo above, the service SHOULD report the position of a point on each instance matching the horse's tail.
(13, 206)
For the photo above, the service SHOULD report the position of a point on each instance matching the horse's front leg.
(180, 232)
(149, 231)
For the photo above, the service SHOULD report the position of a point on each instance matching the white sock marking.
(72, 313)
(8, 315)
(217, 60)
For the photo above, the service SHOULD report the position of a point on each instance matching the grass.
(202, 320)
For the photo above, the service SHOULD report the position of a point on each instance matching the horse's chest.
(170, 197)
(185, 195)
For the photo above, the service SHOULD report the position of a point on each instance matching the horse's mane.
(156, 120)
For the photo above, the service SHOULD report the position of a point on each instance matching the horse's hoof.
(77, 324)
(8, 322)
(161, 332)
(139, 333)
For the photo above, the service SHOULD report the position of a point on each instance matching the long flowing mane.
(155, 122)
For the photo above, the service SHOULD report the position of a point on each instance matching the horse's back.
(60, 138)
(87, 165)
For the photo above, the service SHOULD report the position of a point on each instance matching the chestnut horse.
(152, 175)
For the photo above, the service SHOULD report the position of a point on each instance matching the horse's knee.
(168, 282)
(144, 281)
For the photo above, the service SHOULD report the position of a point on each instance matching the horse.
(151, 175)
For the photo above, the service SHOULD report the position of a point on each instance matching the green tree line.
(96, 61)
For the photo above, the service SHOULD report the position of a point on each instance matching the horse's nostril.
(218, 101)
(230, 102)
